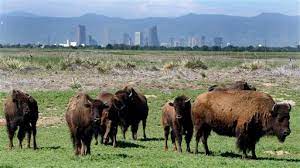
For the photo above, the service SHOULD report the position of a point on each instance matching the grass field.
(53, 76)
(56, 150)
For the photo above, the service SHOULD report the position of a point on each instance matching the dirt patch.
(277, 153)
(42, 121)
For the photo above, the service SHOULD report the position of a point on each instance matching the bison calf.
(247, 115)
(21, 110)
(110, 117)
(83, 117)
(177, 116)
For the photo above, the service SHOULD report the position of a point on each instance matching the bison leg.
(166, 131)
(197, 139)
(134, 129)
(124, 129)
(173, 140)
(28, 136)
(21, 135)
(188, 138)
(34, 135)
(253, 151)
(144, 128)
(204, 142)
(96, 137)
(11, 129)
(178, 136)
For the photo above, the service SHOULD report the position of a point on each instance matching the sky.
(150, 8)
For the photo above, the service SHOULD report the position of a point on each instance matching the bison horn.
(130, 94)
(290, 107)
(188, 100)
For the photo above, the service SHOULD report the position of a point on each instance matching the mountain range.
(274, 29)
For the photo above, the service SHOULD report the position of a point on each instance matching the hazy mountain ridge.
(276, 29)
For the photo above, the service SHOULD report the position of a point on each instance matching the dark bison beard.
(281, 138)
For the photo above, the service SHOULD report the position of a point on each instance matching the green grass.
(56, 150)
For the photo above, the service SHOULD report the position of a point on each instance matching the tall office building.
(153, 37)
(81, 35)
(172, 42)
(193, 41)
(203, 40)
(138, 38)
(218, 41)
(126, 39)
(92, 41)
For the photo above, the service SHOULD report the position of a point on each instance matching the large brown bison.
(110, 117)
(246, 115)
(238, 85)
(83, 116)
(177, 116)
(136, 111)
(21, 110)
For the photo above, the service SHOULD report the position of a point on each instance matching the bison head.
(182, 105)
(281, 124)
(21, 101)
(96, 106)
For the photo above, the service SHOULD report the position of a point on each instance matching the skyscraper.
(203, 40)
(92, 42)
(218, 41)
(138, 39)
(126, 39)
(81, 35)
(153, 37)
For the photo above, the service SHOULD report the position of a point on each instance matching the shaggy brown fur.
(238, 85)
(21, 110)
(137, 110)
(177, 116)
(247, 115)
(110, 117)
(83, 117)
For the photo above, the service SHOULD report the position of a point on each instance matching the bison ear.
(171, 104)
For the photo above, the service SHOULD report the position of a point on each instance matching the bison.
(177, 116)
(238, 85)
(83, 117)
(136, 111)
(110, 117)
(21, 110)
(246, 115)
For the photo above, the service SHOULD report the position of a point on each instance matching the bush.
(103, 69)
(195, 64)
(254, 65)
(170, 66)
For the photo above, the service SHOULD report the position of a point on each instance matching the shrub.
(103, 69)
(195, 64)
(170, 66)
(254, 65)
(75, 84)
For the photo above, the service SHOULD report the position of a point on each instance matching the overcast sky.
(148, 8)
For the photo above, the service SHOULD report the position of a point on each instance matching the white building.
(138, 38)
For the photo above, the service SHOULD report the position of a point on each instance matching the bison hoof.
(254, 157)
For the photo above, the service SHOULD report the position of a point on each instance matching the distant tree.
(204, 48)
(109, 46)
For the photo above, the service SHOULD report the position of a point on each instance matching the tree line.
(179, 48)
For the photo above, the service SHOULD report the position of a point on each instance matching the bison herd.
(237, 110)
